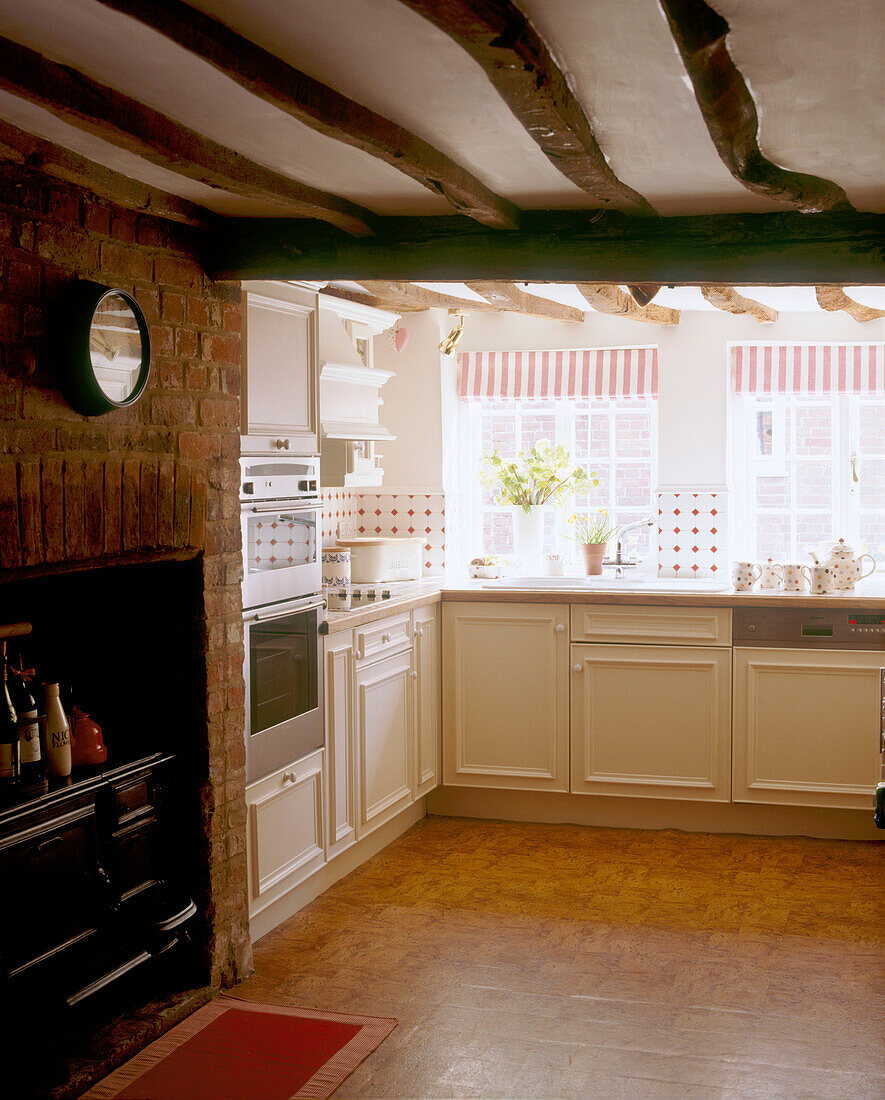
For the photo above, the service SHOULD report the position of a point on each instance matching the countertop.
(419, 594)
(869, 595)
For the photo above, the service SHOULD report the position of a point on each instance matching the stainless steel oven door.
(284, 685)
(281, 556)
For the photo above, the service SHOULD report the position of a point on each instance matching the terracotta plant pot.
(594, 552)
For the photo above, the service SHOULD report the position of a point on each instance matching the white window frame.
(746, 465)
(565, 413)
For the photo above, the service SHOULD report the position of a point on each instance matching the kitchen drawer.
(132, 797)
(285, 831)
(678, 625)
(382, 638)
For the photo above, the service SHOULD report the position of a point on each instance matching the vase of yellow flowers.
(534, 479)
(593, 532)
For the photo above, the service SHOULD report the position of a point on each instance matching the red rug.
(240, 1050)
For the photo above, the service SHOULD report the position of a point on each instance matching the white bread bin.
(384, 559)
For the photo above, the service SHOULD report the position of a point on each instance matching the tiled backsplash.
(360, 512)
(692, 533)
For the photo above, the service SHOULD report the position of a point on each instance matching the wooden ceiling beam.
(730, 112)
(727, 298)
(512, 298)
(834, 299)
(62, 164)
(320, 107)
(127, 124)
(412, 298)
(605, 298)
(516, 60)
(779, 249)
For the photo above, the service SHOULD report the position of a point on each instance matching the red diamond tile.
(694, 511)
(694, 530)
(713, 512)
(713, 568)
(676, 568)
(675, 530)
(695, 567)
(713, 549)
(675, 511)
(712, 530)
(677, 549)
(694, 549)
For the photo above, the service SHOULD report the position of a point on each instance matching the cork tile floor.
(556, 961)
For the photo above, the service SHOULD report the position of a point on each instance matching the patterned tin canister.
(336, 568)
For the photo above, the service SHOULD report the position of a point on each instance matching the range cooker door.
(284, 685)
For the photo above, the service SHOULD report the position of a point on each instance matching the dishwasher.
(809, 707)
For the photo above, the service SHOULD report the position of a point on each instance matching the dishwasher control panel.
(800, 628)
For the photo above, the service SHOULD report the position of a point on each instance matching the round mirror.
(110, 356)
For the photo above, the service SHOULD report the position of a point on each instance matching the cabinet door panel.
(340, 742)
(426, 659)
(281, 370)
(384, 719)
(505, 701)
(806, 727)
(652, 721)
(285, 826)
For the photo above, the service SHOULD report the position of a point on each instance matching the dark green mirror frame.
(106, 352)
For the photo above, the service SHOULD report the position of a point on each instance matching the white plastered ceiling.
(815, 69)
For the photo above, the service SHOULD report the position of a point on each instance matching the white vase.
(528, 539)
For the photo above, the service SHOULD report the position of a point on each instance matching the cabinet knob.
(290, 777)
(419, 633)
(560, 627)
(385, 637)
(414, 675)
(281, 444)
(578, 668)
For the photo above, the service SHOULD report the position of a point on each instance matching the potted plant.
(593, 532)
(544, 475)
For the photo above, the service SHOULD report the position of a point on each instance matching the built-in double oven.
(282, 610)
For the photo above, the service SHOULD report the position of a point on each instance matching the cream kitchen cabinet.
(285, 830)
(806, 726)
(385, 737)
(426, 673)
(651, 721)
(341, 759)
(280, 398)
(506, 695)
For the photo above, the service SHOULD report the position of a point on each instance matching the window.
(615, 437)
(808, 456)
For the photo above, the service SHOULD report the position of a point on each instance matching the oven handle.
(291, 608)
(278, 506)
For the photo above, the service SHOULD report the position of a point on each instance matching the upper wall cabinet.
(281, 385)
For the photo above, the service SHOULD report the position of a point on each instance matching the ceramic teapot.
(846, 568)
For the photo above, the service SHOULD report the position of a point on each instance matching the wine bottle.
(58, 734)
(30, 750)
(10, 774)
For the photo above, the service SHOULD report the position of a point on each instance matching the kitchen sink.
(613, 584)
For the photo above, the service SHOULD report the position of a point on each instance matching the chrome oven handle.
(277, 612)
(277, 506)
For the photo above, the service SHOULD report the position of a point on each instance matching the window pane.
(812, 531)
(632, 435)
(871, 489)
(773, 492)
(499, 434)
(632, 485)
(497, 533)
(814, 484)
(872, 429)
(872, 537)
(535, 427)
(773, 536)
(599, 496)
(814, 430)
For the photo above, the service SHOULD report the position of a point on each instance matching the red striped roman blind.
(575, 374)
(808, 368)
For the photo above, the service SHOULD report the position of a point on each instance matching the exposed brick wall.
(159, 478)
